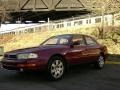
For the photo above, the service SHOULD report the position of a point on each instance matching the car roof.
(72, 35)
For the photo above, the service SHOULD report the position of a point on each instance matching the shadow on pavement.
(76, 71)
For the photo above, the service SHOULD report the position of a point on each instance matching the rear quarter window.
(90, 41)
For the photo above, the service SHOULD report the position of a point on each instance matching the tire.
(56, 68)
(99, 64)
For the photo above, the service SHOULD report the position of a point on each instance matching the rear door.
(92, 49)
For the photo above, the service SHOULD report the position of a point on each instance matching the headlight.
(27, 56)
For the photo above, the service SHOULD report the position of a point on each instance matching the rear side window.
(90, 41)
(79, 39)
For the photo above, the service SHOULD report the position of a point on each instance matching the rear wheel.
(100, 62)
(56, 68)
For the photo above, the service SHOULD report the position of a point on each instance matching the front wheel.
(100, 62)
(56, 68)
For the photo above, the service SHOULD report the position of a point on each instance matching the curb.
(113, 62)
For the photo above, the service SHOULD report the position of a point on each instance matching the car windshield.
(57, 40)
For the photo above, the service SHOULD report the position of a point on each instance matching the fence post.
(48, 24)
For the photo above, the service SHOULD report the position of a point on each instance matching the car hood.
(35, 49)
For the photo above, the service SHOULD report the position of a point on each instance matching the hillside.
(34, 39)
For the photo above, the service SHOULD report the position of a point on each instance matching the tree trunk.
(102, 24)
(0, 23)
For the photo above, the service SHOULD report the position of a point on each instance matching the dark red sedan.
(57, 53)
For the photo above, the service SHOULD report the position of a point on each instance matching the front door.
(78, 53)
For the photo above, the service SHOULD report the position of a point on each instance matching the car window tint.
(90, 41)
(78, 38)
(63, 41)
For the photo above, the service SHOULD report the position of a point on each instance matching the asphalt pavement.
(78, 78)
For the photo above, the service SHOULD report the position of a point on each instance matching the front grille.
(6, 56)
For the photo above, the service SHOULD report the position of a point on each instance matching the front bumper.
(24, 65)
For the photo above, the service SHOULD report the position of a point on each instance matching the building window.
(80, 22)
(106, 19)
(75, 23)
(97, 20)
(12, 32)
(26, 30)
(58, 26)
(68, 24)
(87, 21)
(20, 32)
(61, 25)
(30, 30)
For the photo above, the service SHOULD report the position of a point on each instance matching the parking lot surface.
(78, 78)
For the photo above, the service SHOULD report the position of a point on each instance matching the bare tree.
(103, 7)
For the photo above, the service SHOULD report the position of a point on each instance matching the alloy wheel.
(57, 69)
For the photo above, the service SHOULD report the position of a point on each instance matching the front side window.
(90, 41)
(57, 40)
